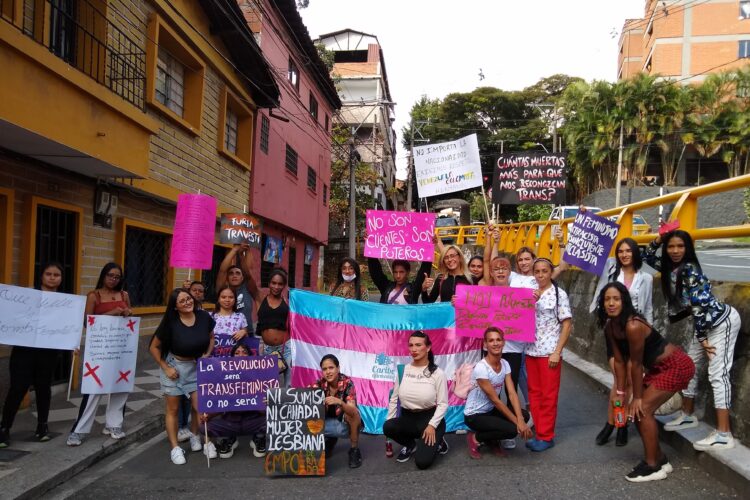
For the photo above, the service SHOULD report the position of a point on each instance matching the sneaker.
(715, 441)
(443, 447)
(210, 450)
(604, 434)
(183, 434)
(388, 448)
(508, 444)
(644, 472)
(116, 433)
(665, 465)
(531, 442)
(473, 446)
(405, 454)
(4, 438)
(226, 448)
(683, 421)
(41, 434)
(74, 439)
(541, 445)
(195, 443)
(177, 455)
(258, 445)
(355, 458)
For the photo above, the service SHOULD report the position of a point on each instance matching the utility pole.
(619, 167)
(411, 175)
(353, 154)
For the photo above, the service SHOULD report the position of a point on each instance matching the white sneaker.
(183, 434)
(210, 450)
(508, 444)
(116, 433)
(195, 443)
(177, 456)
(682, 421)
(715, 441)
(74, 439)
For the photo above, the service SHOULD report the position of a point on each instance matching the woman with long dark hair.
(32, 366)
(688, 292)
(476, 268)
(349, 282)
(109, 298)
(658, 369)
(184, 335)
(422, 393)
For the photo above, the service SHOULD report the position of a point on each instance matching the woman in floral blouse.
(544, 357)
(349, 282)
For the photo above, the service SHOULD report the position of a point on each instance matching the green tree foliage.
(533, 212)
(746, 202)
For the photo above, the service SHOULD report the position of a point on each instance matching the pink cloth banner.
(400, 235)
(194, 230)
(510, 309)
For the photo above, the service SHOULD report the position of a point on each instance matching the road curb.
(731, 467)
(146, 429)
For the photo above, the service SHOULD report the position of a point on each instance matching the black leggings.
(408, 428)
(29, 366)
(514, 359)
(493, 425)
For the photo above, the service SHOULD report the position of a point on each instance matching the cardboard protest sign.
(236, 383)
(240, 228)
(224, 343)
(295, 419)
(448, 166)
(510, 309)
(194, 226)
(529, 177)
(110, 354)
(34, 318)
(589, 241)
(400, 235)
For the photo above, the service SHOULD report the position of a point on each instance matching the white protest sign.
(110, 355)
(34, 318)
(448, 167)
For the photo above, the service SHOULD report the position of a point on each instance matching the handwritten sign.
(236, 383)
(295, 420)
(33, 318)
(448, 166)
(400, 235)
(589, 241)
(240, 228)
(510, 309)
(110, 354)
(224, 343)
(530, 178)
(194, 226)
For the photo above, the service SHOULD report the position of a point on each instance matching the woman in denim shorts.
(184, 335)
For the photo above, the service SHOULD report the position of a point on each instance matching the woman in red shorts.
(666, 367)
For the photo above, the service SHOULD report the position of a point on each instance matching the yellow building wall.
(667, 60)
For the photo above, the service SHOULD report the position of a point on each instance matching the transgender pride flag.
(370, 339)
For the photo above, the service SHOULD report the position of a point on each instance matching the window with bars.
(292, 267)
(325, 194)
(146, 266)
(312, 179)
(265, 267)
(313, 106)
(306, 275)
(170, 82)
(230, 131)
(265, 131)
(291, 160)
(56, 242)
(293, 74)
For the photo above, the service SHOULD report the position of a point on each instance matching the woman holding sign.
(688, 291)
(109, 298)
(451, 273)
(231, 326)
(184, 335)
(32, 366)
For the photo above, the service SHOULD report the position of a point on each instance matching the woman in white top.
(485, 414)
(423, 396)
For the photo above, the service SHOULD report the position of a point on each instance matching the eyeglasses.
(114, 276)
(184, 301)
(451, 256)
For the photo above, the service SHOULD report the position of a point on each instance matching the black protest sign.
(530, 178)
(240, 228)
(295, 420)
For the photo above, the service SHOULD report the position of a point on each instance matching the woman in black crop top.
(666, 367)
(183, 335)
(273, 316)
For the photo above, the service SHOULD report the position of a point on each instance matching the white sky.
(437, 47)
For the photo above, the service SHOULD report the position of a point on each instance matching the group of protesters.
(647, 369)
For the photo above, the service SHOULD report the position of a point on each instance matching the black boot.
(604, 434)
(4, 437)
(622, 436)
(330, 443)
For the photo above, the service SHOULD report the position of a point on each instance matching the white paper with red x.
(110, 354)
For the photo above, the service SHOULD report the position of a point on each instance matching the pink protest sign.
(194, 229)
(400, 235)
(510, 309)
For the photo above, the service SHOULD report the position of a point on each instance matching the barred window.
(292, 267)
(306, 275)
(312, 179)
(291, 160)
(325, 194)
(146, 266)
(170, 82)
(230, 131)
(313, 106)
(265, 130)
(265, 267)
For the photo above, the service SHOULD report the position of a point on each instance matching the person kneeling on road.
(342, 418)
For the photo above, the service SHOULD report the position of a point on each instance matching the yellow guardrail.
(538, 234)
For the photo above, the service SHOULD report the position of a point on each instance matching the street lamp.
(542, 145)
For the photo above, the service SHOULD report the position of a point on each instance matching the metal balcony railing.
(78, 32)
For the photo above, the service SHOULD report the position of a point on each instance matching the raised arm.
(649, 254)
(489, 244)
(246, 264)
(229, 259)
